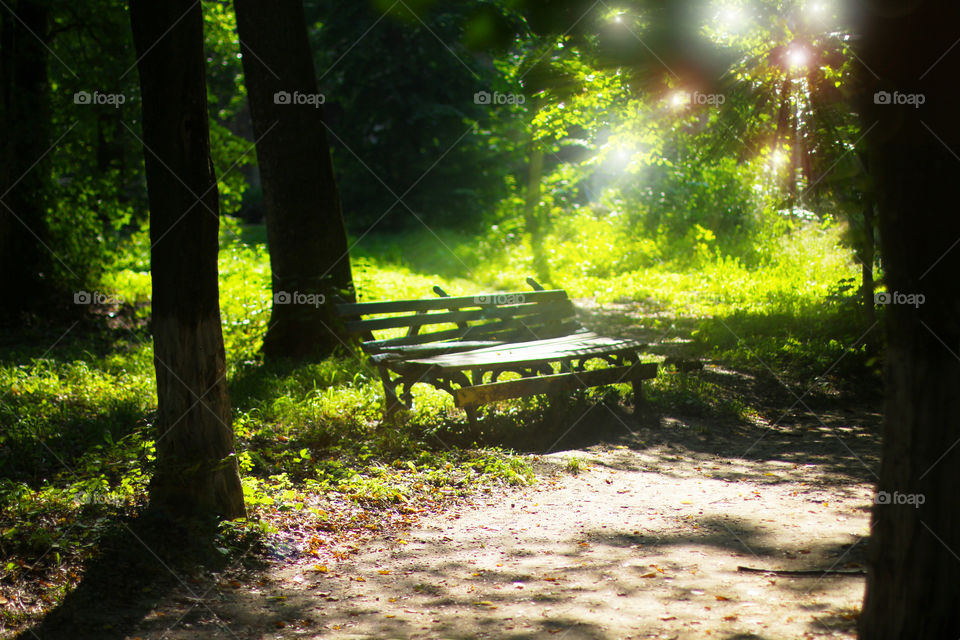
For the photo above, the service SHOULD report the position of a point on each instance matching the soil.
(643, 541)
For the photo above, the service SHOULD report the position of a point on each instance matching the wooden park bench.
(464, 344)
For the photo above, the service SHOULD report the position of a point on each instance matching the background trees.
(309, 257)
(409, 118)
(26, 260)
(708, 159)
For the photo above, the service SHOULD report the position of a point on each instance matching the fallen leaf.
(320, 568)
(729, 618)
(384, 572)
(721, 597)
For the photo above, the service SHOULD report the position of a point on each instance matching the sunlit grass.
(77, 440)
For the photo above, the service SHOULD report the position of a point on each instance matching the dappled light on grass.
(321, 472)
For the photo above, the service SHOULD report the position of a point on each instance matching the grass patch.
(76, 449)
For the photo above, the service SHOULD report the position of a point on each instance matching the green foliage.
(97, 192)
(77, 452)
(406, 124)
(245, 301)
(574, 465)
(712, 217)
(691, 395)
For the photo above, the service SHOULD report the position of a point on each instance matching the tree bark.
(305, 231)
(912, 580)
(197, 472)
(25, 260)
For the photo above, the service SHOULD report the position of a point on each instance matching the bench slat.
(434, 304)
(521, 355)
(556, 383)
(422, 318)
(499, 330)
(428, 350)
(565, 347)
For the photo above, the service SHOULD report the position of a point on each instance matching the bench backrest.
(496, 317)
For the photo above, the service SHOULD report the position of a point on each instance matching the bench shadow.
(843, 443)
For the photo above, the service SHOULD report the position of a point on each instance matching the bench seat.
(463, 345)
(520, 354)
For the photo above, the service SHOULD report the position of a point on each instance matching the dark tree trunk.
(305, 231)
(25, 261)
(912, 582)
(197, 471)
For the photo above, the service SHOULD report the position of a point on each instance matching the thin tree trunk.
(912, 581)
(867, 285)
(197, 471)
(305, 231)
(25, 263)
(531, 213)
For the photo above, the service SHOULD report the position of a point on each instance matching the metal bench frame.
(533, 333)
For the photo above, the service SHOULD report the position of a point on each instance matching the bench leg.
(391, 400)
(476, 377)
(472, 413)
(638, 400)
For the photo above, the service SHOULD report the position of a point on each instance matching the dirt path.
(642, 543)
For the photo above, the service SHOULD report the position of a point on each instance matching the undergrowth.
(76, 447)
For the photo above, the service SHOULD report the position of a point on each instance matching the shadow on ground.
(140, 563)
